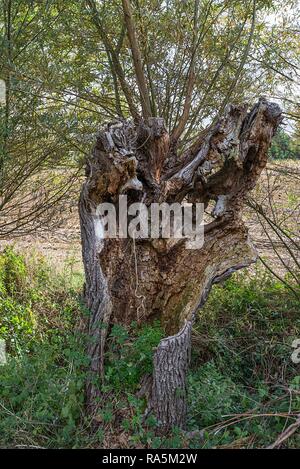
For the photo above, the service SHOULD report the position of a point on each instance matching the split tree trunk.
(141, 280)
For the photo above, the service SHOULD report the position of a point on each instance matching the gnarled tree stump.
(145, 279)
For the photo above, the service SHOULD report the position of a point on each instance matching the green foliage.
(17, 321)
(212, 394)
(33, 304)
(231, 414)
(42, 384)
(243, 385)
(12, 271)
(42, 394)
(61, 83)
(247, 318)
(243, 388)
(17, 324)
(130, 355)
(284, 147)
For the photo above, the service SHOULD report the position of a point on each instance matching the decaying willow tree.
(145, 279)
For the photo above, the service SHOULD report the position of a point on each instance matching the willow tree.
(146, 279)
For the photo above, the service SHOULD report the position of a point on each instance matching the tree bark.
(145, 279)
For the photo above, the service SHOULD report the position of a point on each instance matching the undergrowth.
(242, 366)
(243, 387)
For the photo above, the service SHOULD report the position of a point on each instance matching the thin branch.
(190, 81)
(137, 59)
(243, 61)
(114, 57)
(286, 434)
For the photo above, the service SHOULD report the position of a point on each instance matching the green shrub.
(17, 324)
(242, 374)
(246, 320)
(243, 387)
(12, 272)
(42, 395)
(212, 395)
(34, 302)
(42, 384)
(130, 356)
(284, 146)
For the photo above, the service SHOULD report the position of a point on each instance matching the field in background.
(278, 192)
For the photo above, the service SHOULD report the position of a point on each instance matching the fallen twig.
(286, 434)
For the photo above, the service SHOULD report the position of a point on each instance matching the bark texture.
(168, 394)
(144, 279)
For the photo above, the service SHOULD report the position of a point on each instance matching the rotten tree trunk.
(144, 279)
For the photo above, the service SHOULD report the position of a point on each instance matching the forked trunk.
(140, 280)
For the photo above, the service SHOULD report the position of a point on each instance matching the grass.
(42, 384)
(242, 362)
(243, 386)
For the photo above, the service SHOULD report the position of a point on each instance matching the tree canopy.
(69, 67)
